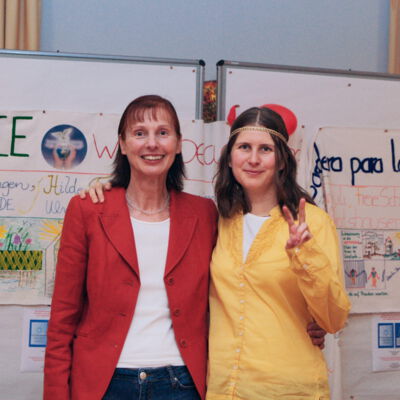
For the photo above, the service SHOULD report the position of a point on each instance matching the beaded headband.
(260, 129)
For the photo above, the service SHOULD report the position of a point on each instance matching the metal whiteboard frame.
(224, 65)
(196, 64)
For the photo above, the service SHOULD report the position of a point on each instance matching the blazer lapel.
(182, 227)
(117, 226)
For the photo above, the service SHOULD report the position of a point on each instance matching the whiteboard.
(318, 97)
(94, 83)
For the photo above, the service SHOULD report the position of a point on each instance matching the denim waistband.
(169, 382)
(152, 374)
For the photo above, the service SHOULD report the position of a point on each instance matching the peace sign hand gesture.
(298, 233)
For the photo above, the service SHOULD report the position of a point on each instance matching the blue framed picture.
(38, 332)
(385, 335)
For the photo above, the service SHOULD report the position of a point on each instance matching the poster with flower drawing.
(28, 250)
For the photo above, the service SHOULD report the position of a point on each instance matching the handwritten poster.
(355, 175)
(201, 148)
(45, 159)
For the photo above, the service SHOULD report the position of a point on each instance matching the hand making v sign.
(298, 233)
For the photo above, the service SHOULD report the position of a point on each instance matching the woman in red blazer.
(104, 275)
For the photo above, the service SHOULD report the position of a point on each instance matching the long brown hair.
(136, 112)
(230, 196)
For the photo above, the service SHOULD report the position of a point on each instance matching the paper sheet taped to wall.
(355, 175)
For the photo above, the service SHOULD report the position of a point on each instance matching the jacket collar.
(117, 225)
(182, 226)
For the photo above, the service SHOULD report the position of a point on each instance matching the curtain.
(394, 37)
(20, 24)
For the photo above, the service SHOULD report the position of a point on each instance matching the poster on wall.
(355, 176)
(34, 338)
(45, 159)
(386, 342)
(201, 148)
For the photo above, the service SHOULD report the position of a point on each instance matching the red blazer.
(97, 284)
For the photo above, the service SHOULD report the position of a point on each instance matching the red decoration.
(288, 116)
(232, 114)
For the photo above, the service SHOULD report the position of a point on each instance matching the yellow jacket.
(259, 347)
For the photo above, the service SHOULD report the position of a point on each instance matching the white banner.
(356, 177)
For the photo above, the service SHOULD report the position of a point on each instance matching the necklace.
(134, 206)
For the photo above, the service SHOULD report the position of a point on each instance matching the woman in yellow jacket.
(275, 268)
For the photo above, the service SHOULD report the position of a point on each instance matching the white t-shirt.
(251, 225)
(150, 341)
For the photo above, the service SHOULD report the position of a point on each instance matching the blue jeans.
(165, 383)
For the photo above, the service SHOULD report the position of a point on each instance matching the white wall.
(315, 33)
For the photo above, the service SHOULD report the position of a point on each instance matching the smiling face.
(253, 160)
(151, 145)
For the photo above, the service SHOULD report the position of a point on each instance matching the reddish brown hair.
(136, 112)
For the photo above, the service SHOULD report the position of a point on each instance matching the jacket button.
(122, 314)
(170, 281)
(177, 312)
(183, 343)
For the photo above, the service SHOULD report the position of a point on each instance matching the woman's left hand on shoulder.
(299, 232)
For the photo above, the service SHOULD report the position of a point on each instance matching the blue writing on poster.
(38, 332)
